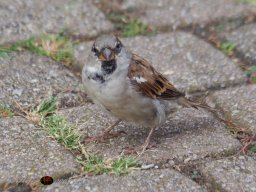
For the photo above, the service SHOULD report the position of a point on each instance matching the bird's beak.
(107, 55)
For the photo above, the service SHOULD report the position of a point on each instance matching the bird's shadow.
(179, 122)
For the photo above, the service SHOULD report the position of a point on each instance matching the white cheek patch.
(139, 79)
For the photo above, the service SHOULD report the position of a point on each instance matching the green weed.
(124, 165)
(57, 47)
(195, 175)
(48, 106)
(227, 47)
(119, 19)
(253, 148)
(251, 74)
(134, 27)
(5, 111)
(96, 165)
(128, 27)
(248, 1)
(57, 127)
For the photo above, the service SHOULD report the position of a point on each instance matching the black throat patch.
(98, 78)
(108, 67)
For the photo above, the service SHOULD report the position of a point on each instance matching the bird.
(128, 87)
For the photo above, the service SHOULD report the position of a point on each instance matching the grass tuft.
(47, 106)
(251, 74)
(135, 27)
(124, 165)
(228, 48)
(128, 27)
(95, 165)
(5, 111)
(253, 148)
(57, 47)
(248, 1)
(57, 127)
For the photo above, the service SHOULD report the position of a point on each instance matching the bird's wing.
(150, 82)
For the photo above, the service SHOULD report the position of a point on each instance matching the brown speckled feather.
(150, 82)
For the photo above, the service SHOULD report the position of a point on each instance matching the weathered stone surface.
(29, 78)
(20, 19)
(245, 41)
(240, 103)
(176, 13)
(157, 180)
(232, 175)
(190, 63)
(188, 135)
(27, 153)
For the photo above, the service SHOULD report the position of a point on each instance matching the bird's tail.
(188, 103)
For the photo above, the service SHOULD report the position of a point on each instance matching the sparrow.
(129, 87)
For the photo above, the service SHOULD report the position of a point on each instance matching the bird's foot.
(103, 137)
(145, 147)
(138, 150)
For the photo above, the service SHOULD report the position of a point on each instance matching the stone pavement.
(193, 150)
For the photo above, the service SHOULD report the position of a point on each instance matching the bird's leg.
(142, 148)
(106, 133)
(147, 141)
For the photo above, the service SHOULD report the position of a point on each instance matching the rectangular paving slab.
(28, 153)
(245, 41)
(139, 181)
(179, 13)
(231, 174)
(188, 135)
(239, 103)
(190, 63)
(28, 78)
(20, 19)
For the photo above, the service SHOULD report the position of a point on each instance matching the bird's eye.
(118, 47)
(95, 51)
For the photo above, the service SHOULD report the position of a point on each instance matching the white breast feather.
(92, 69)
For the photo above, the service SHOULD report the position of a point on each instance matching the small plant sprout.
(5, 111)
(135, 27)
(251, 74)
(253, 148)
(227, 48)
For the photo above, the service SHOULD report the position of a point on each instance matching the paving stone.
(27, 153)
(240, 103)
(231, 175)
(176, 13)
(187, 135)
(245, 41)
(157, 180)
(29, 78)
(190, 63)
(20, 19)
